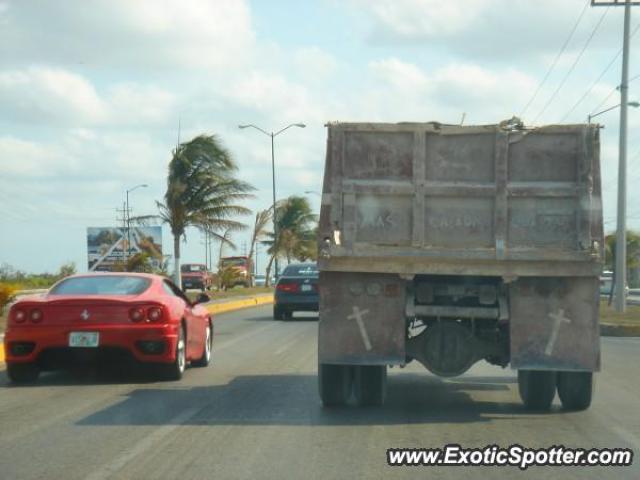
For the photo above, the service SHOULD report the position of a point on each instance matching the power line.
(573, 66)
(602, 74)
(555, 61)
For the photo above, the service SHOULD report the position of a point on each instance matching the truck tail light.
(154, 314)
(136, 314)
(36, 315)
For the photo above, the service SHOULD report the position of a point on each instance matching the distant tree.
(67, 269)
(202, 192)
(228, 277)
(260, 225)
(633, 250)
(296, 227)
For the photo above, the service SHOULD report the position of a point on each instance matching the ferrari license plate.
(84, 339)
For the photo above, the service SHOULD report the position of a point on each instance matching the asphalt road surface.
(255, 413)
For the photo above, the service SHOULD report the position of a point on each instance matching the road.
(255, 414)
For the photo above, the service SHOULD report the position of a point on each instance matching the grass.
(630, 317)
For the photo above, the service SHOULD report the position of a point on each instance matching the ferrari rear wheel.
(23, 372)
(208, 346)
(175, 370)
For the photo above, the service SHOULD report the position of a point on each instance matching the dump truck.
(449, 245)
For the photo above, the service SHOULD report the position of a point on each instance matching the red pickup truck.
(196, 275)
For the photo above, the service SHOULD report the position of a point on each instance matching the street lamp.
(273, 176)
(142, 185)
(631, 104)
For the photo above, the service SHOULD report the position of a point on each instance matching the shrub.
(7, 294)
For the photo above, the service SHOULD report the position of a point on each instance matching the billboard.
(108, 247)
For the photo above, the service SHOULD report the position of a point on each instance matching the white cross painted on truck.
(558, 319)
(357, 316)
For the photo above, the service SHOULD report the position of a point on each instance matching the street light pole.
(275, 220)
(142, 185)
(591, 116)
(273, 178)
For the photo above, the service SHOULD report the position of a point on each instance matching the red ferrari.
(107, 316)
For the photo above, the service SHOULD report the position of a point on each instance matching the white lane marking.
(240, 338)
(111, 469)
(559, 319)
(357, 316)
(288, 345)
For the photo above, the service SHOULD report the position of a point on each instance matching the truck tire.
(334, 384)
(370, 385)
(537, 388)
(575, 389)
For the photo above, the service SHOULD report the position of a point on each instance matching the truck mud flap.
(361, 319)
(554, 323)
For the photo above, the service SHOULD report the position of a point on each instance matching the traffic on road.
(258, 402)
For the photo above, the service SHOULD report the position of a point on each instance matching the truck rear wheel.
(334, 383)
(370, 385)
(575, 389)
(537, 388)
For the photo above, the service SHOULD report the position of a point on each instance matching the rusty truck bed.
(478, 200)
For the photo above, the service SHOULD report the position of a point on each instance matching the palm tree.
(202, 192)
(296, 227)
(259, 231)
(633, 250)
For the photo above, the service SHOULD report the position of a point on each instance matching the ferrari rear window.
(102, 285)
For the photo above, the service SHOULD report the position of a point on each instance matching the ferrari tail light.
(19, 316)
(36, 315)
(154, 314)
(136, 314)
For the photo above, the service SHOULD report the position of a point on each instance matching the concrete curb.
(217, 307)
(612, 330)
(231, 305)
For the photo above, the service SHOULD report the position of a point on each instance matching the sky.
(92, 93)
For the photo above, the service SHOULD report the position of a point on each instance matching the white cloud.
(44, 95)
(47, 95)
(401, 75)
(489, 29)
(486, 95)
(150, 33)
(314, 63)
(144, 104)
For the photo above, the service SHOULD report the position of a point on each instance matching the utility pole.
(206, 249)
(123, 219)
(621, 232)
